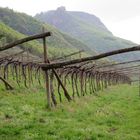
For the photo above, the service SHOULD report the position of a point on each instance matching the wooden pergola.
(75, 67)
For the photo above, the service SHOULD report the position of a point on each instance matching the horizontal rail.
(62, 64)
(69, 55)
(26, 39)
(116, 64)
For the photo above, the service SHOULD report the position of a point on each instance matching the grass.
(113, 115)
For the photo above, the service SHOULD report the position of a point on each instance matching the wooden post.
(47, 73)
(46, 60)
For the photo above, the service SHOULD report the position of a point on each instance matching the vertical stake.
(46, 72)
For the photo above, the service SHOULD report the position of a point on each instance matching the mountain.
(15, 25)
(88, 29)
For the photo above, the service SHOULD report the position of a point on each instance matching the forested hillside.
(87, 28)
(16, 25)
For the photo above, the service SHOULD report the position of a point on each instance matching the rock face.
(61, 9)
(60, 17)
(87, 28)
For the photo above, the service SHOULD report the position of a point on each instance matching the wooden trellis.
(81, 75)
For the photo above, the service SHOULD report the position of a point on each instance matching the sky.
(122, 17)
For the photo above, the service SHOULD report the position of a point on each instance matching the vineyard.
(105, 87)
(83, 75)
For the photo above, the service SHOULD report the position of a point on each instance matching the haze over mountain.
(87, 28)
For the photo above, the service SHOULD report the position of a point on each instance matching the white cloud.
(128, 29)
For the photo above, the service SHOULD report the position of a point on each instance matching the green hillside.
(59, 43)
(34, 47)
(11, 35)
(87, 28)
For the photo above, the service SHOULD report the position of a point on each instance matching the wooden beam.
(61, 84)
(65, 56)
(8, 86)
(116, 64)
(62, 64)
(117, 69)
(63, 87)
(26, 39)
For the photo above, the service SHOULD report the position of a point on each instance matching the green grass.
(113, 115)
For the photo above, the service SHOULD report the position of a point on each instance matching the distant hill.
(15, 25)
(88, 29)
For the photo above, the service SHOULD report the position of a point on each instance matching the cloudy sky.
(122, 17)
